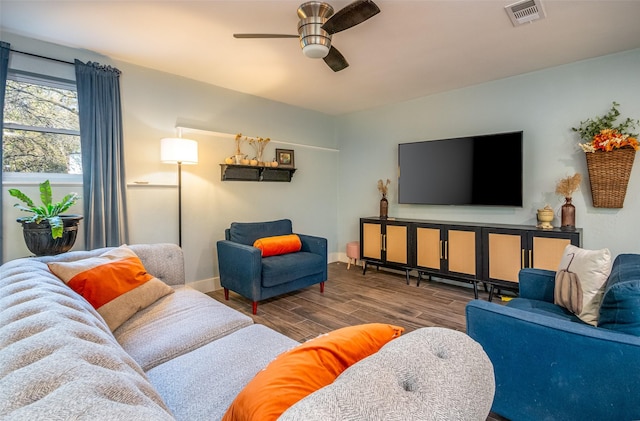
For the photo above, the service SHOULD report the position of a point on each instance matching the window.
(41, 126)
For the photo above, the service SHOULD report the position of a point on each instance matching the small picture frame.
(285, 158)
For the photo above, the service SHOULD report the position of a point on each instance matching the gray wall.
(343, 157)
(153, 104)
(545, 104)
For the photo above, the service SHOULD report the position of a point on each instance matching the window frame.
(36, 178)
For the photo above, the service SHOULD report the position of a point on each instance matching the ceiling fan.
(318, 23)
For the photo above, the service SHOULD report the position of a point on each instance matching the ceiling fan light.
(315, 50)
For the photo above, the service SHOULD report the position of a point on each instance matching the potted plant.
(48, 231)
(610, 149)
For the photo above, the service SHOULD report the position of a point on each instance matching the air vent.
(525, 12)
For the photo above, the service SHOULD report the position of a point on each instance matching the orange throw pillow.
(115, 283)
(279, 244)
(306, 368)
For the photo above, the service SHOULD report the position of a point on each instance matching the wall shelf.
(255, 173)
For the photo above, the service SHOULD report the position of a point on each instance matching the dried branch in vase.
(383, 188)
(258, 146)
(239, 142)
(568, 185)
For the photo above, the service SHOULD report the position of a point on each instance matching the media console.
(468, 252)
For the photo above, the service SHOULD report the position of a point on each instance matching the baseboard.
(337, 257)
(206, 285)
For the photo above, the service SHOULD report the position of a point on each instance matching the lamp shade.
(177, 149)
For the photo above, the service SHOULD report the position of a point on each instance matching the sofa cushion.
(277, 270)
(175, 325)
(592, 268)
(620, 308)
(544, 308)
(431, 373)
(279, 244)
(248, 232)
(115, 283)
(59, 359)
(306, 368)
(201, 384)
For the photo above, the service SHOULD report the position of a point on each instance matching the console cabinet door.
(509, 250)
(449, 249)
(395, 244)
(545, 249)
(371, 241)
(429, 247)
(505, 254)
(462, 251)
(385, 242)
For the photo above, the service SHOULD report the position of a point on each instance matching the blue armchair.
(244, 270)
(549, 365)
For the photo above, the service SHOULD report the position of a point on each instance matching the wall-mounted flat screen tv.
(481, 170)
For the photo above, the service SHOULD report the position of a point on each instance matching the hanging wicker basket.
(609, 175)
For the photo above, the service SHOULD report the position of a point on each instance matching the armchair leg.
(322, 287)
(254, 308)
(226, 294)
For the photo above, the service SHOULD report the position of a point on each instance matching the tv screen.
(481, 170)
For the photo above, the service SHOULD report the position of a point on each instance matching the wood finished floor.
(352, 298)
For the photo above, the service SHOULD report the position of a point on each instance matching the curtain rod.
(39, 56)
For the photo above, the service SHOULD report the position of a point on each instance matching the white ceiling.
(411, 49)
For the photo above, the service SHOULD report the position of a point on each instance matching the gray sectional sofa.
(187, 356)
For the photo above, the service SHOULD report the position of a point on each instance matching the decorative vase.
(568, 215)
(259, 158)
(38, 239)
(239, 157)
(384, 208)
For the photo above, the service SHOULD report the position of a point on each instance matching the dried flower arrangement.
(568, 185)
(602, 134)
(383, 188)
(258, 146)
(239, 142)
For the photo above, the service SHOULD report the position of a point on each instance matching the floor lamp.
(176, 150)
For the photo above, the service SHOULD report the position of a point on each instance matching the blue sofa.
(549, 365)
(244, 270)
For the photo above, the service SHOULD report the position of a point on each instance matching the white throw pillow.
(592, 268)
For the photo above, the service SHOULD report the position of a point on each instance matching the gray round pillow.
(429, 374)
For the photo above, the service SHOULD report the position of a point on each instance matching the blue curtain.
(101, 137)
(4, 67)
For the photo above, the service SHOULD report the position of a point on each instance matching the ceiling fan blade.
(351, 15)
(335, 60)
(265, 36)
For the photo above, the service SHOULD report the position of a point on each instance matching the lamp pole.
(176, 150)
(180, 203)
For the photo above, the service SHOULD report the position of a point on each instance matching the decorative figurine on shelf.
(383, 188)
(565, 188)
(545, 217)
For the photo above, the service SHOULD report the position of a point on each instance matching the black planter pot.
(38, 237)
